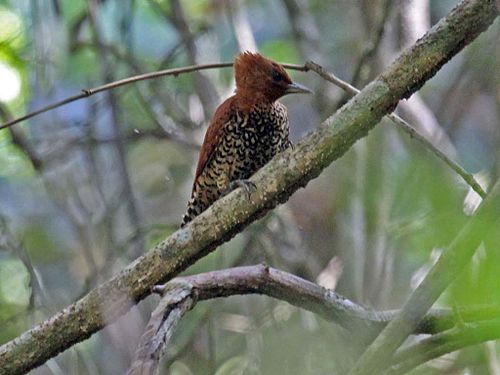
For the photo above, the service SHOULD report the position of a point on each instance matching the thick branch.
(281, 177)
(182, 293)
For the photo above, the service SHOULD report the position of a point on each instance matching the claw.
(248, 186)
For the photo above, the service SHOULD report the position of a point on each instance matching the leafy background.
(88, 187)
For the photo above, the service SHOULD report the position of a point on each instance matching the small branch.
(68, 100)
(122, 82)
(265, 280)
(405, 126)
(182, 293)
(444, 343)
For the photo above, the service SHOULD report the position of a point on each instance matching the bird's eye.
(277, 76)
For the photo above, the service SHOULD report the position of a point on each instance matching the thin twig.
(122, 82)
(405, 126)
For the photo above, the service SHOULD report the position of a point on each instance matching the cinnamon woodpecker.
(246, 131)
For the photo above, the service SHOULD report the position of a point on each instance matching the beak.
(296, 88)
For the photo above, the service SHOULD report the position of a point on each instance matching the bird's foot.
(248, 187)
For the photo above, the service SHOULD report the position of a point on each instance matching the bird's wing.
(214, 133)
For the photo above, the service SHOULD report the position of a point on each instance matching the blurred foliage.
(13, 288)
(385, 210)
(15, 164)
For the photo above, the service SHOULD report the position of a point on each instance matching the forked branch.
(182, 293)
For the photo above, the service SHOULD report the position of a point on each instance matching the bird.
(246, 131)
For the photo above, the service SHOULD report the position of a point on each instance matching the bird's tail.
(195, 206)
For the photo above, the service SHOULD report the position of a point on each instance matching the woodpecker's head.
(263, 79)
